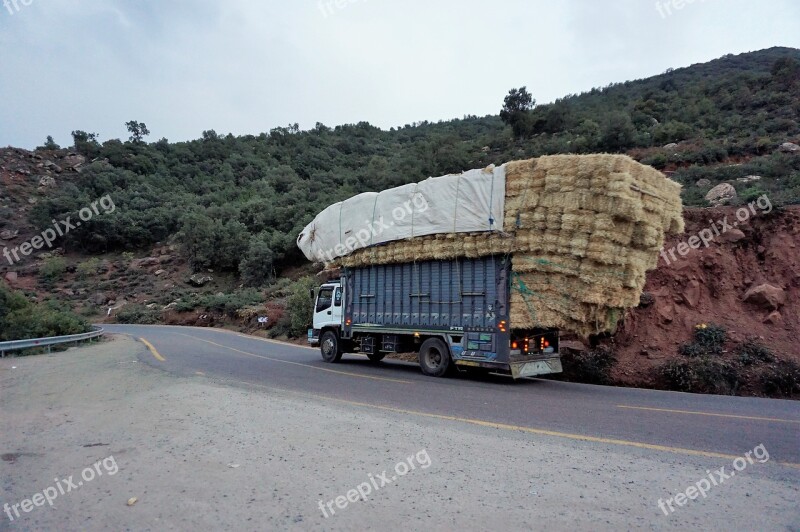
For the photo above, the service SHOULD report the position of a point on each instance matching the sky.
(247, 66)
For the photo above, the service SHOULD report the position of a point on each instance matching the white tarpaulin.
(465, 203)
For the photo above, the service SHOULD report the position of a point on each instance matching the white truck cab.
(328, 309)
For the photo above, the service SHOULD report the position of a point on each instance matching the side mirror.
(312, 294)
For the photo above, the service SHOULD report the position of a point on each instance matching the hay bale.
(583, 232)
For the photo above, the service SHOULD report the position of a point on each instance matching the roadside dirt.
(198, 453)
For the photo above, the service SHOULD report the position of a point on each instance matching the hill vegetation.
(236, 204)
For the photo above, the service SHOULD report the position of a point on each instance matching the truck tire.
(377, 357)
(434, 358)
(330, 348)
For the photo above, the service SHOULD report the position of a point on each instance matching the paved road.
(661, 421)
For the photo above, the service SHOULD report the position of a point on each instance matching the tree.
(49, 144)
(516, 109)
(85, 143)
(618, 132)
(256, 268)
(138, 131)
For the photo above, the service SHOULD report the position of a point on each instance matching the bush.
(21, 319)
(752, 352)
(781, 379)
(708, 340)
(87, 268)
(52, 269)
(227, 304)
(299, 313)
(701, 375)
(138, 315)
(590, 367)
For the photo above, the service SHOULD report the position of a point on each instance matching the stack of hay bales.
(582, 230)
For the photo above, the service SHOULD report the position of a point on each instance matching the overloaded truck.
(453, 313)
(484, 269)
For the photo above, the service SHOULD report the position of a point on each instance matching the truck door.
(328, 308)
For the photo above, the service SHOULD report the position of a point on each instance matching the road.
(166, 428)
(664, 421)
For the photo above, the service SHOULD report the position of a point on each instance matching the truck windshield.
(325, 299)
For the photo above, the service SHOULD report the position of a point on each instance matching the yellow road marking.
(350, 374)
(776, 420)
(518, 428)
(153, 350)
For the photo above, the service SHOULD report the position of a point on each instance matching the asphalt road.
(666, 422)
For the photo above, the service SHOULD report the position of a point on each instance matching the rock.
(691, 294)
(137, 264)
(73, 161)
(8, 234)
(703, 183)
(789, 147)
(160, 272)
(99, 298)
(749, 179)
(732, 235)
(165, 259)
(486, 149)
(47, 181)
(577, 346)
(199, 279)
(11, 277)
(721, 195)
(104, 267)
(766, 296)
(33, 201)
(774, 318)
(670, 146)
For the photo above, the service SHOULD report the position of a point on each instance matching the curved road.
(667, 422)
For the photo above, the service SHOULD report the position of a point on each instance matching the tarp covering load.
(582, 230)
(463, 203)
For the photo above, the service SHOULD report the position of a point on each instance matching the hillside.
(231, 207)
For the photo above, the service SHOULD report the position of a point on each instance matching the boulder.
(47, 181)
(774, 318)
(766, 296)
(73, 161)
(670, 146)
(732, 235)
(11, 277)
(691, 293)
(8, 234)
(199, 279)
(99, 298)
(160, 272)
(137, 264)
(721, 195)
(703, 183)
(789, 147)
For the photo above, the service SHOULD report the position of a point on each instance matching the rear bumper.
(533, 368)
(518, 368)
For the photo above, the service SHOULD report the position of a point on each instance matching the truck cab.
(328, 310)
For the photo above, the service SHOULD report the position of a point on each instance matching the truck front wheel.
(434, 357)
(329, 347)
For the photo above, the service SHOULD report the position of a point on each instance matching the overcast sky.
(246, 66)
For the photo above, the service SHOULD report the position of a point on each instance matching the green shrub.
(227, 304)
(708, 340)
(21, 319)
(138, 315)
(87, 268)
(52, 269)
(701, 375)
(590, 367)
(781, 379)
(752, 352)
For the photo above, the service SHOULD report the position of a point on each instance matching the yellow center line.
(350, 374)
(773, 419)
(518, 428)
(153, 350)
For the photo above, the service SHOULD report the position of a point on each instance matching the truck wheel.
(377, 357)
(434, 357)
(329, 347)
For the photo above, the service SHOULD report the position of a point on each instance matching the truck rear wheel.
(434, 357)
(329, 347)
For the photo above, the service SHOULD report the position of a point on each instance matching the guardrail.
(19, 345)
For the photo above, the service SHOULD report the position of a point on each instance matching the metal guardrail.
(19, 345)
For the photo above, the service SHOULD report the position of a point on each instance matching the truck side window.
(337, 299)
(325, 299)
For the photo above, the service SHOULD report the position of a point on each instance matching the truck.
(454, 314)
